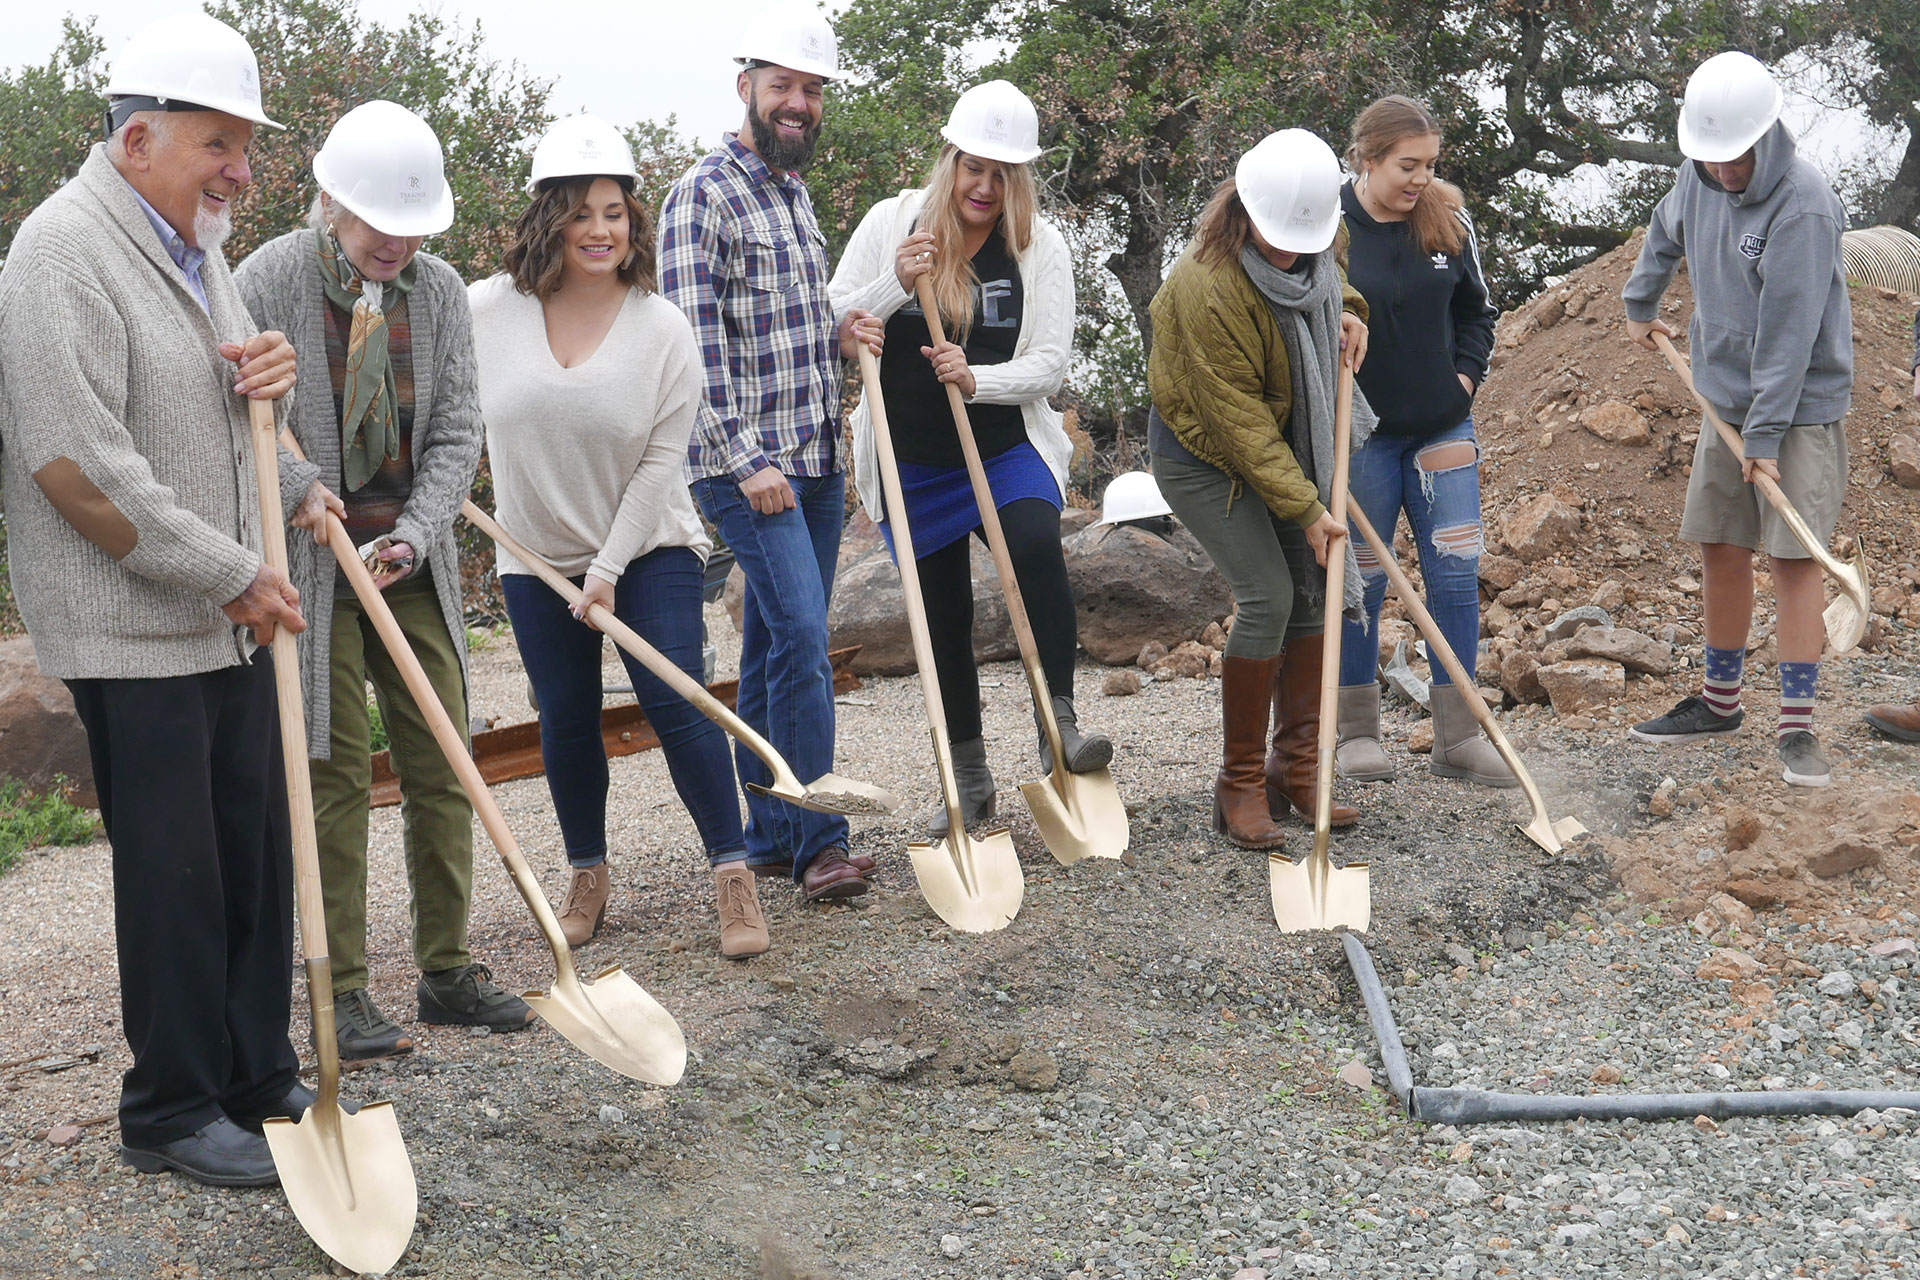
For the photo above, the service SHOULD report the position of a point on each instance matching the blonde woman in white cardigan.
(1004, 284)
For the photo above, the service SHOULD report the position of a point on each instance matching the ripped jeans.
(1436, 480)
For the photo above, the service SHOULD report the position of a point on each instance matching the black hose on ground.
(1481, 1106)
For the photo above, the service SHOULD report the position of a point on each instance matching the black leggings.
(946, 581)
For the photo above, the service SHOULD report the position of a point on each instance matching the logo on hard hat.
(250, 80)
(812, 45)
(1710, 124)
(413, 181)
(589, 148)
(1303, 217)
(997, 128)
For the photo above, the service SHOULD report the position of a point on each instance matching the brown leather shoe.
(834, 873)
(585, 905)
(1902, 722)
(1293, 764)
(743, 929)
(1239, 802)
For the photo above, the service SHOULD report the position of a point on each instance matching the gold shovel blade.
(1315, 894)
(1081, 817)
(1550, 835)
(983, 897)
(349, 1182)
(831, 793)
(1846, 617)
(615, 1022)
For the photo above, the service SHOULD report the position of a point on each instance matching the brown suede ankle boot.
(1239, 805)
(1293, 763)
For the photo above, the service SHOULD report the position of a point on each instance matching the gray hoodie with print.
(1772, 329)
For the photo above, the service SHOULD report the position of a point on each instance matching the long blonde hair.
(953, 276)
(1376, 131)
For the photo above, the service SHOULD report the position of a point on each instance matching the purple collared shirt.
(184, 255)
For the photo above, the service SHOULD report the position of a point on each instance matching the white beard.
(210, 230)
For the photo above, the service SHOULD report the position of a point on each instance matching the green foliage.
(378, 740)
(29, 821)
(50, 115)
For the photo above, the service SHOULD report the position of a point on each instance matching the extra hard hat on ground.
(1290, 185)
(1732, 100)
(385, 165)
(582, 146)
(995, 121)
(1132, 495)
(795, 36)
(186, 62)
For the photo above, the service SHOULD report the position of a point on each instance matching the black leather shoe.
(291, 1107)
(221, 1154)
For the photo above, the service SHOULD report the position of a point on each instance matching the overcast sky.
(626, 62)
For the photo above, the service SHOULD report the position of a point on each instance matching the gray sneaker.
(466, 997)
(1690, 718)
(362, 1031)
(1803, 763)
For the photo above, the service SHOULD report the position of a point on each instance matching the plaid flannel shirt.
(742, 255)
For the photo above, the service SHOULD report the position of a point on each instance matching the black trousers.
(194, 801)
(946, 581)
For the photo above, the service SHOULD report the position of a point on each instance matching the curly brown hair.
(538, 250)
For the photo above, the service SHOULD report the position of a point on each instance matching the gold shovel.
(1543, 830)
(973, 882)
(611, 1019)
(1846, 617)
(1080, 815)
(1315, 894)
(828, 793)
(347, 1176)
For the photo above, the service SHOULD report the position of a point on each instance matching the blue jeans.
(1393, 473)
(659, 597)
(786, 683)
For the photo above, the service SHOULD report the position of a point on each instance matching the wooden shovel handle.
(1335, 617)
(310, 901)
(996, 537)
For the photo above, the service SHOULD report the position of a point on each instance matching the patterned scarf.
(369, 421)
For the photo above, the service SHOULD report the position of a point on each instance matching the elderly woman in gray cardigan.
(392, 425)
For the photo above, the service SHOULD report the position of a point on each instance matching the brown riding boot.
(1293, 763)
(1900, 722)
(1239, 808)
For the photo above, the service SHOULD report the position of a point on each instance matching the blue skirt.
(940, 505)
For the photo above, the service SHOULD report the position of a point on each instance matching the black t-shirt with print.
(917, 409)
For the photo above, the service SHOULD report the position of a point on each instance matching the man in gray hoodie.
(1772, 344)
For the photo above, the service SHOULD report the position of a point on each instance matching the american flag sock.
(1797, 681)
(1721, 689)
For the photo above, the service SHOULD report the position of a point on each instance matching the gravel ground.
(1139, 1078)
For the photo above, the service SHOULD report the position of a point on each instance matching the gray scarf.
(1306, 306)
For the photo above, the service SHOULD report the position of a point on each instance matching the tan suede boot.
(585, 905)
(1460, 750)
(743, 929)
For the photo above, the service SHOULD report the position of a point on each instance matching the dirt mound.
(1572, 406)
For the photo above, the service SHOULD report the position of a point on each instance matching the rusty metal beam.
(513, 751)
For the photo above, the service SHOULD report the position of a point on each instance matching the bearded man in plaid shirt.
(742, 255)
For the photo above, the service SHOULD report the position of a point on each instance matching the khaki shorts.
(1721, 507)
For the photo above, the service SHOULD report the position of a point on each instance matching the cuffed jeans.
(658, 595)
(436, 818)
(786, 682)
(193, 795)
(1443, 512)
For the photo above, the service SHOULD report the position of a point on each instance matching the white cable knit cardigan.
(1038, 368)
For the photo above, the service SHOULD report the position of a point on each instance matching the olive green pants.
(436, 818)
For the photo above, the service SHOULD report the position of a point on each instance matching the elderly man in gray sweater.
(126, 361)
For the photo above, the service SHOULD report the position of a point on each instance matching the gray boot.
(1460, 750)
(975, 781)
(1360, 755)
(1085, 751)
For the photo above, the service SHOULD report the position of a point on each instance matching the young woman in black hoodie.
(1413, 255)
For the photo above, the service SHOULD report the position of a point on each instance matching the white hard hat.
(795, 36)
(1290, 184)
(1132, 495)
(384, 164)
(187, 60)
(579, 147)
(1732, 100)
(995, 121)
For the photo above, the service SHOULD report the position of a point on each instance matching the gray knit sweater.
(281, 284)
(131, 508)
